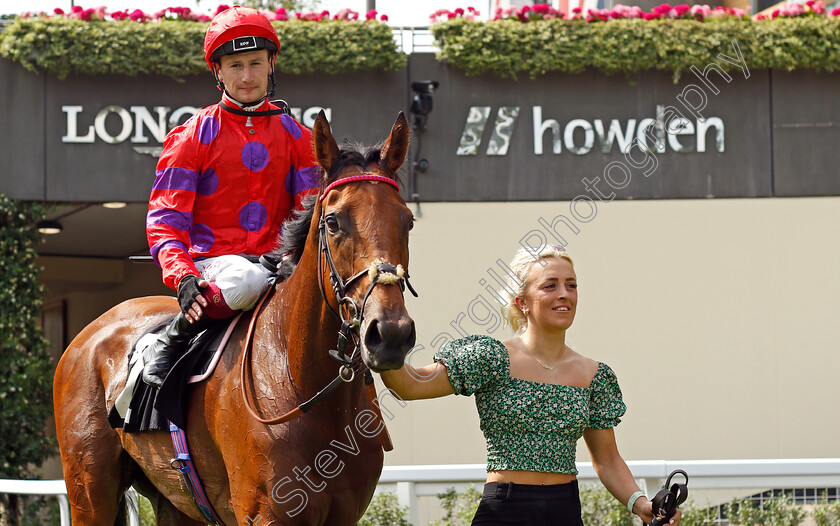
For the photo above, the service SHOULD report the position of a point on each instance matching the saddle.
(140, 407)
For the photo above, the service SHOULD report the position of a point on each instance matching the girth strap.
(184, 464)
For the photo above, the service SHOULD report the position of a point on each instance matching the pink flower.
(77, 9)
(835, 11)
(651, 16)
(370, 15)
(459, 12)
(222, 7)
(138, 16)
(58, 11)
(740, 13)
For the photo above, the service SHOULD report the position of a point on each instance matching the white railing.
(411, 482)
(56, 488)
(414, 39)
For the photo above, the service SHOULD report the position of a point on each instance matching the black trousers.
(506, 503)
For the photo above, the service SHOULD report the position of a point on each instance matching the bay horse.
(317, 469)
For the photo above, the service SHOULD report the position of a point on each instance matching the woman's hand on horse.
(190, 297)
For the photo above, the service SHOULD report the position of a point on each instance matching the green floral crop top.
(529, 426)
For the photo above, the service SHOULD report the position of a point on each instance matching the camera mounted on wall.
(422, 104)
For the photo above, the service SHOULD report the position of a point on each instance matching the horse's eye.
(332, 224)
(411, 224)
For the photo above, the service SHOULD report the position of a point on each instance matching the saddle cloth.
(140, 407)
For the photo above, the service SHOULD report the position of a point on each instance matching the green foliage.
(509, 48)
(29, 510)
(697, 516)
(599, 507)
(778, 511)
(460, 508)
(384, 510)
(147, 513)
(826, 514)
(173, 48)
(25, 362)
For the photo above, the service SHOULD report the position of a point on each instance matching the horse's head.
(364, 225)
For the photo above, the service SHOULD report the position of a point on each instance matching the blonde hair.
(521, 265)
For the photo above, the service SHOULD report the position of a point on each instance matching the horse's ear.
(394, 151)
(326, 149)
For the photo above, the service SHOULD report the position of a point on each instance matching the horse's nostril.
(373, 339)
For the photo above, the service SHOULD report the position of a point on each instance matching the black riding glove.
(188, 290)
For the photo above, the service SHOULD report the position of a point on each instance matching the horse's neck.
(305, 322)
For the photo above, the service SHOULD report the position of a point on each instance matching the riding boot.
(166, 350)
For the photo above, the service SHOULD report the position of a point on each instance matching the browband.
(360, 177)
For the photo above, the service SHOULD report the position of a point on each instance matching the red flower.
(77, 9)
(384, 18)
(370, 15)
(459, 12)
(835, 11)
(222, 7)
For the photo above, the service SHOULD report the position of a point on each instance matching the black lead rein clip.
(668, 499)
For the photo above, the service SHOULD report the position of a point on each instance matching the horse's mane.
(296, 229)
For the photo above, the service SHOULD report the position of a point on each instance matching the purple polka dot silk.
(201, 237)
(208, 130)
(291, 126)
(253, 216)
(174, 178)
(155, 250)
(290, 178)
(208, 182)
(306, 178)
(255, 156)
(173, 218)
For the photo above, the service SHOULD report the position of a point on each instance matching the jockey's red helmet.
(238, 30)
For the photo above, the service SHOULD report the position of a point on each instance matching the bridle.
(380, 272)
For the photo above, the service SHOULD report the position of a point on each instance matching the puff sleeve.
(606, 406)
(474, 363)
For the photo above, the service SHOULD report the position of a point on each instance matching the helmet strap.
(272, 84)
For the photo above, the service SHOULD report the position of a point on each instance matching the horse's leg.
(96, 469)
(168, 515)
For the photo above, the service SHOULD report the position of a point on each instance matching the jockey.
(224, 184)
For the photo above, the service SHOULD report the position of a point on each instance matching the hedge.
(510, 48)
(506, 48)
(25, 362)
(65, 46)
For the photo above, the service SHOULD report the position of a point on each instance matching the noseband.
(379, 271)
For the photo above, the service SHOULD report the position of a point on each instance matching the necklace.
(546, 366)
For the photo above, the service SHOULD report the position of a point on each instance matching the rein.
(380, 272)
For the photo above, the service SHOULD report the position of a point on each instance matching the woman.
(535, 397)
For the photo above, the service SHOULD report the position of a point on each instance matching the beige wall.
(719, 317)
